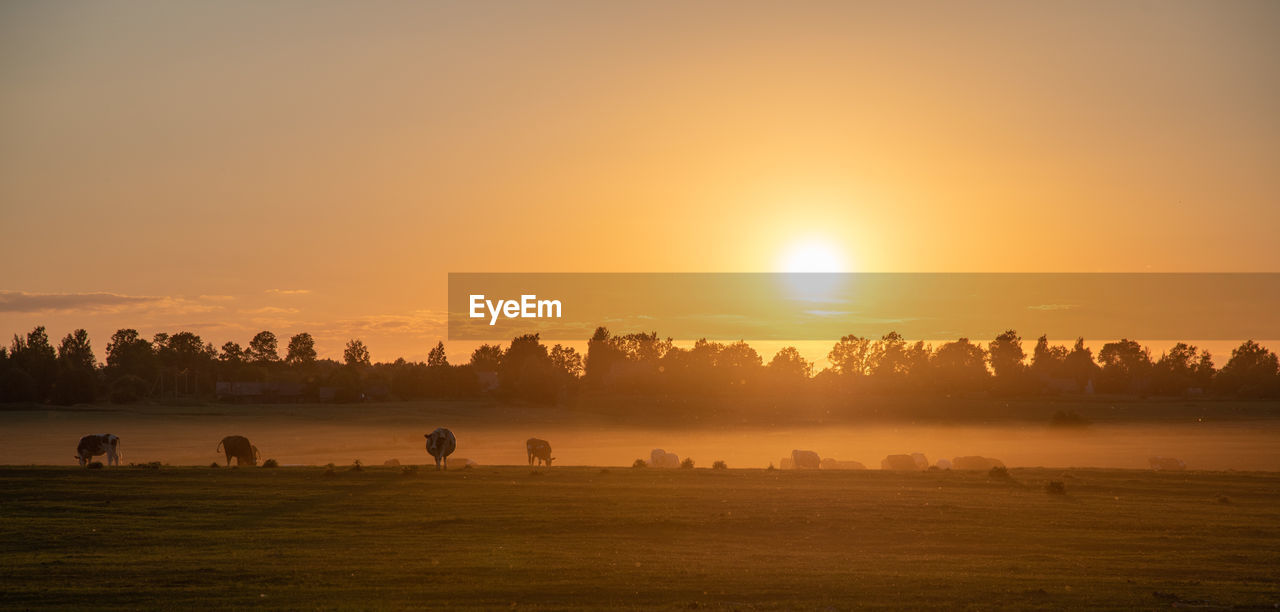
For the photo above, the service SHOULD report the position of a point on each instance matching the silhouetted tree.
(231, 353)
(436, 357)
(851, 356)
(602, 356)
(356, 353)
(1048, 362)
(486, 358)
(35, 356)
(77, 378)
(567, 360)
(889, 358)
(960, 366)
(1179, 370)
(302, 350)
(789, 367)
(1251, 372)
(1079, 365)
(1126, 367)
(262, 349)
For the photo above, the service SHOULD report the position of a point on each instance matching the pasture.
(623, 538)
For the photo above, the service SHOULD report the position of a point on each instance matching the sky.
(322, 166)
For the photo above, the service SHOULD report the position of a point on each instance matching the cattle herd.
(441, 443)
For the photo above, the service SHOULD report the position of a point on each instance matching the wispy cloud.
(270, 310)
(103, 302)
(289, 291)
(1053, 307)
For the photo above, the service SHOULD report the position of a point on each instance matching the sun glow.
(813, 256)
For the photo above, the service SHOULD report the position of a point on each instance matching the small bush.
(999, 472)
(153, 465)
(687, 464)
(1055, 487)
(329, 471)
(356, 466)
(719, 465)
(215, 464)
(95, 465)
(639, 463)
(270, 463)
(770, 468)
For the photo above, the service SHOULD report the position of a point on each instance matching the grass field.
(587, 538)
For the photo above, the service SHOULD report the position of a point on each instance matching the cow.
(98, 444)
(662, 459)
(539, 450)
(441, 444)
(832, 464)
(902, 463)
(1166, 464)
(805, 460)
(239, 448)
(975, 463)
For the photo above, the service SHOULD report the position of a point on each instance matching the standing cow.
(239, 448)
(441, 444)
(540, 450)
(98, 444)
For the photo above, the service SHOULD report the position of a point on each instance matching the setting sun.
(813, 256)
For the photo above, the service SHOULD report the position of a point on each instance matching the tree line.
(182, 364)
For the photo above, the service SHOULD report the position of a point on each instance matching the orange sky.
(321, 166)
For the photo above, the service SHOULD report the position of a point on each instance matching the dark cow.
(98, 444)
(540, 450)
(441, 444)
(239, 448)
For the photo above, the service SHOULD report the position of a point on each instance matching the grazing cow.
(832, 464)
(539, 450)
(98, 444)
(805, 460)
(1167, 464)
(662, 459)
(902, 463)
(239, 448)
(441, 444)
(976, 463)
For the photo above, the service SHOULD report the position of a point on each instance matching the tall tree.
(77, 376)
(486, 358)
(356, 353)
(1252, 371)
(851, 356)
(263, 348)
(436, 357)
(232, 353)
(35, 356)
(1126, 367)
(302, 350)
(1079, 365)
(1006, 355)
(567, 360)
(128, 354)
(789, 366)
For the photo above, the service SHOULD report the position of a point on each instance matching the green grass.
(583, 538)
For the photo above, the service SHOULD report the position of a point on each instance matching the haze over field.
(495, 435)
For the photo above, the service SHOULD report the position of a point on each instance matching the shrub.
(270, 463)
(687, 464)
(999, 472)
(1055, 487)
(215, 464)
(153, 465)
(639, 463)
(719, 465)
(95, 465)
(356, 466)
(770, 468)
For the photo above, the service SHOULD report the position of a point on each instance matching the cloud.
(289, 291)
(102, 302)
(270, 310)
(1053, 307)
(21, 301)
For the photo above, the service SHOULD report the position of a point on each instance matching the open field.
(587, 538)
(1207, 434)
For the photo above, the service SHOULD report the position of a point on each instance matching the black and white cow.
(98, 444)
(539, 450)
(441, 444)
(239, 448)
